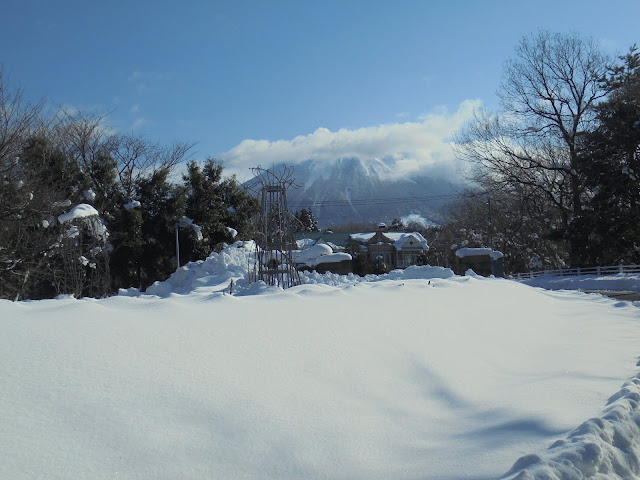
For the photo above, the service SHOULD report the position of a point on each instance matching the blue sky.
(228, 73)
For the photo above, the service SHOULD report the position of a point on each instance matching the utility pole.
(490, 223)
(177, 246)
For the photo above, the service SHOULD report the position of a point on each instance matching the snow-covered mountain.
(350, 190)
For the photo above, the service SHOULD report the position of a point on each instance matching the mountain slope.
(350, 190)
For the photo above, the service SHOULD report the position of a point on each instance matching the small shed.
(483, 261)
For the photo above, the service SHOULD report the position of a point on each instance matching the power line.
(373, 201)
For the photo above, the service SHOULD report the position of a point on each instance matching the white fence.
(568, 272)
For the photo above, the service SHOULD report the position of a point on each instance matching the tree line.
(85, 210)
(555, 170)
(555, 176)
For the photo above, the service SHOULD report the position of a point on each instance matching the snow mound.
(415, 272)
(620, 282)
(341, 377)
(232, 264)
(310, 255)
(215, 273)
(425, 272)
(602, 447)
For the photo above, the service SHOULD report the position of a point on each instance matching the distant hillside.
(352, 191)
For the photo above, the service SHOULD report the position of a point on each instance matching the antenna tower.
(273, 262)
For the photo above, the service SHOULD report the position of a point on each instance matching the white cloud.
(139, 122)
(134, 108)
(413, 147)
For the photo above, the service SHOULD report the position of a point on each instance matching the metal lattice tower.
(273, 262)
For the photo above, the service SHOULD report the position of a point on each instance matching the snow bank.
(425, 272)
(620, 282)
(603, 447)
(388, 377)
(414, 374)
(213, 274)
(233, 263)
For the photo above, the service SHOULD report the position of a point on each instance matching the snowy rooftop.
(320, 253)
(472, 252)
(398, 238)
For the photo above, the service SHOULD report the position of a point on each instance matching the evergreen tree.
(397, 225)
(162, 204)
(219, 206)
(608, 231)
(128, 246)
(305, 221)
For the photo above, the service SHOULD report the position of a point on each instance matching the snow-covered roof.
(311, 253)
(361, 237)
(330, 258)
(405, 240)
(473, 252)
(398, 239)
(320, 253)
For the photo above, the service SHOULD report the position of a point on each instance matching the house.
(390, 250)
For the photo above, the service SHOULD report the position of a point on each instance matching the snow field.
(394, 376)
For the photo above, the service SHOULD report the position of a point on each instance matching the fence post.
(621, 268)
(598, 270)
(578, 271)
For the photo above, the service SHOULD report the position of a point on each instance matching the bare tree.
(92, 144)
(18, 119)
(548, 97)
(137, 158)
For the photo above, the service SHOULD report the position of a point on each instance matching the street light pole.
(177, 247)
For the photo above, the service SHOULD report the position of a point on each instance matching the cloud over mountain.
(422, 147)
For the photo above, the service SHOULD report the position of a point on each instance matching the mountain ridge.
(351, 190)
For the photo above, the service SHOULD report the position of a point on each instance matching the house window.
(407, 259)
(383, 257)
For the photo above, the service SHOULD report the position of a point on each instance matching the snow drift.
(414, 374)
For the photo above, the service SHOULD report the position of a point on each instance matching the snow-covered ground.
(620, 282)
(418, 374)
